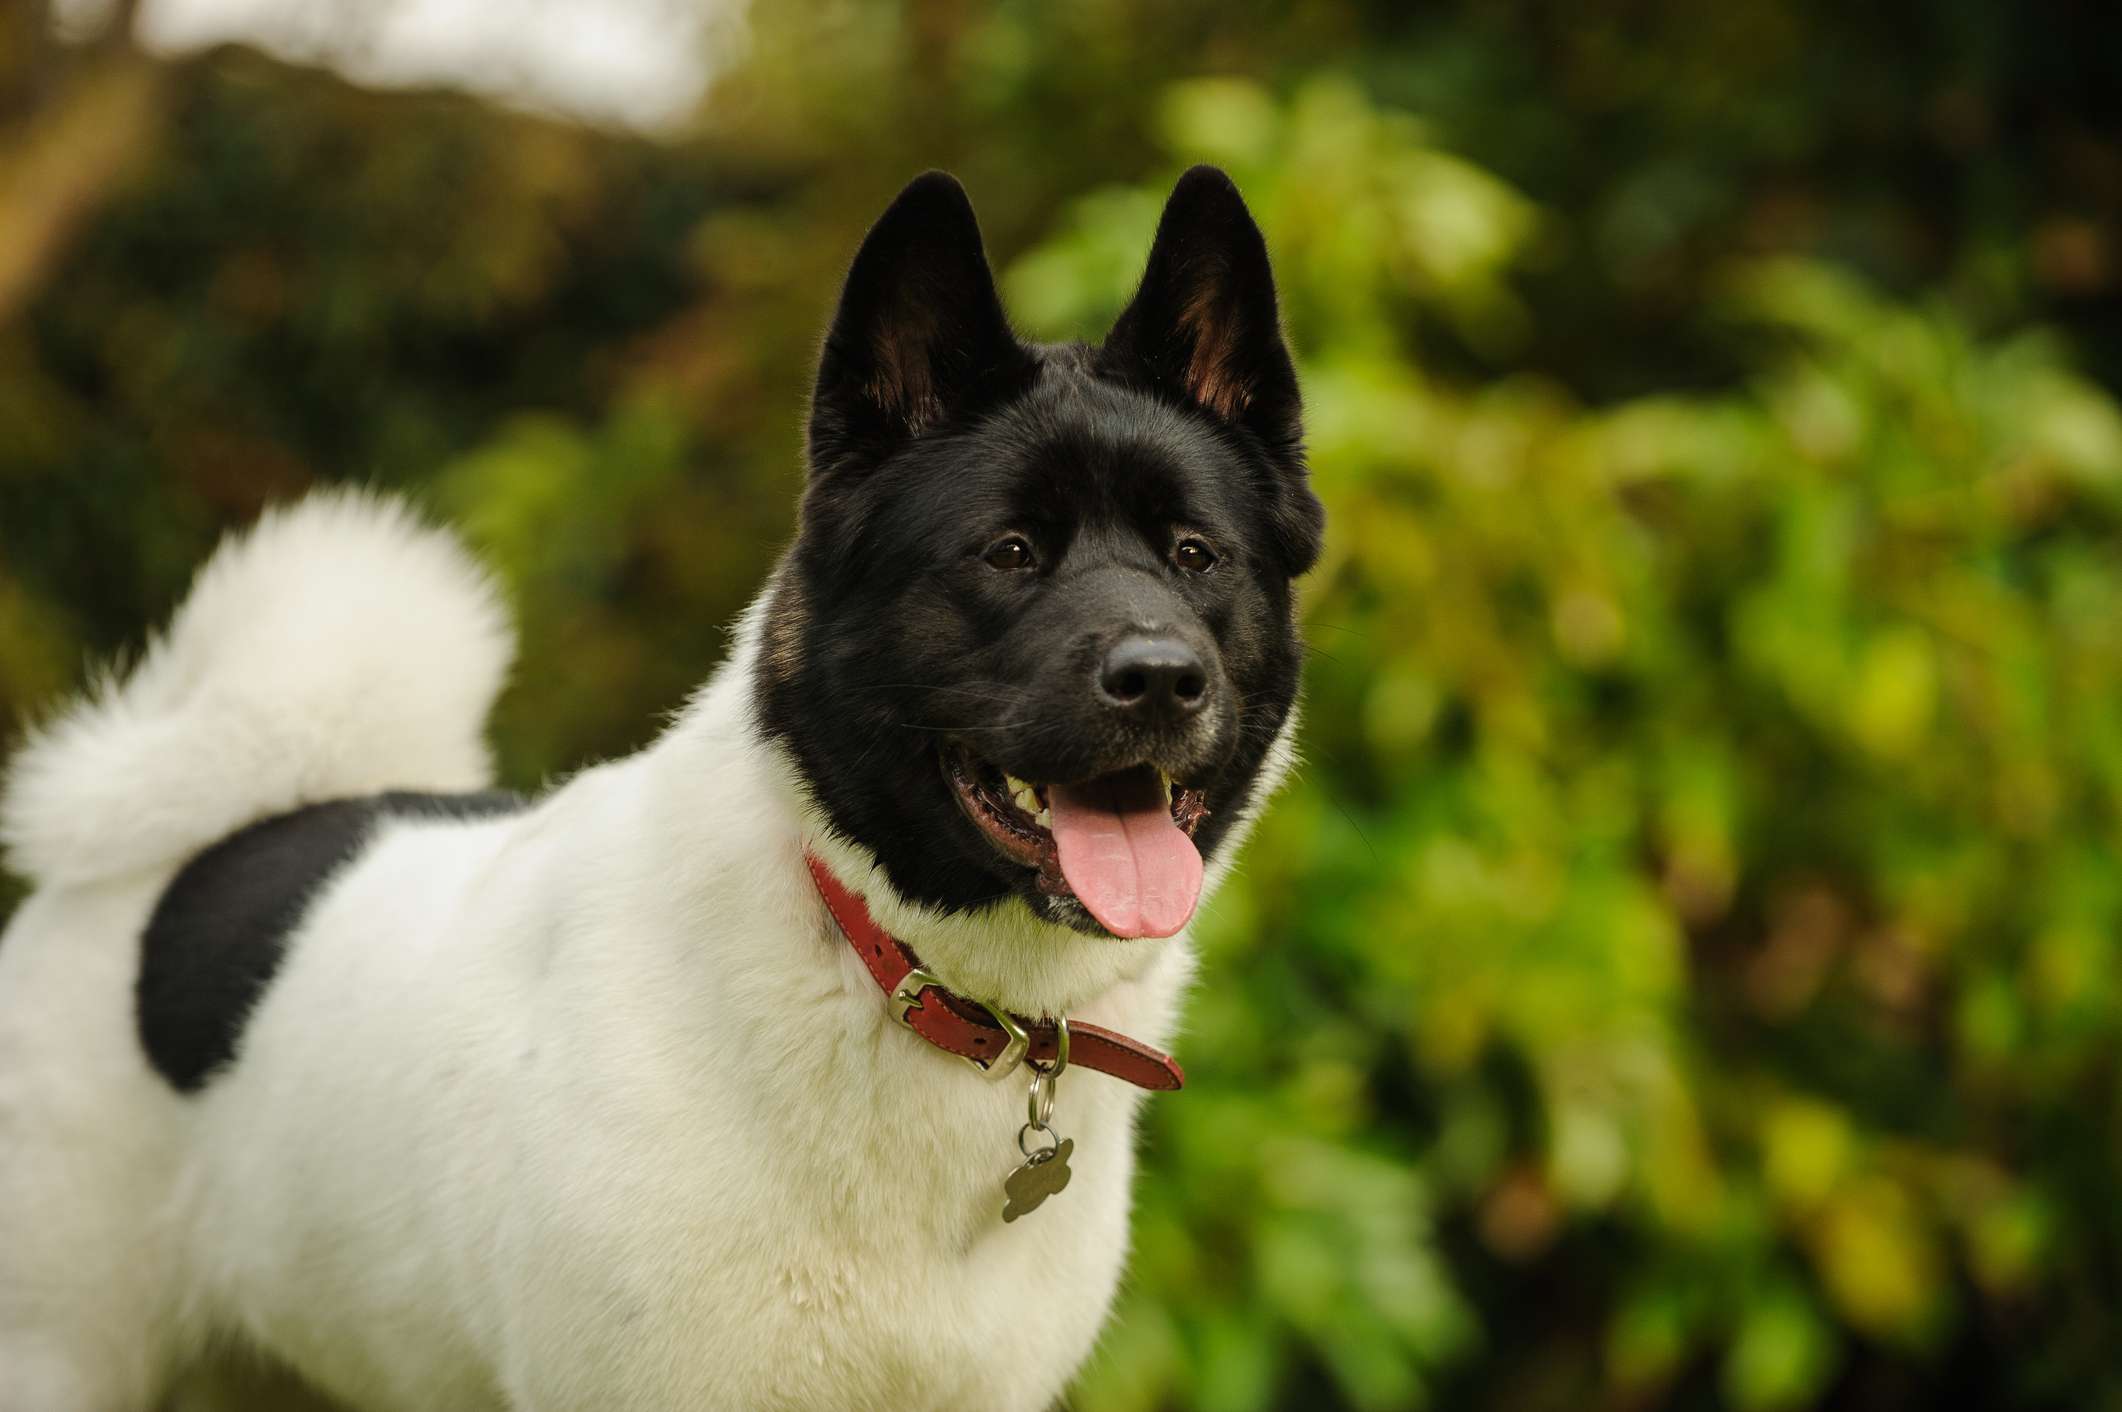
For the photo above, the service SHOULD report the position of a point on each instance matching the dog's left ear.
(1204, 328)
(920, 338)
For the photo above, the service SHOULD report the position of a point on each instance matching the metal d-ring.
(1055, 1065)
(1060, 1046)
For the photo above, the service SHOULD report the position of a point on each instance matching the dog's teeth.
(1023, 792)
(1044, 818)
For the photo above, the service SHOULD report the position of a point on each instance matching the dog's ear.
(1204, 328)
(920, 339)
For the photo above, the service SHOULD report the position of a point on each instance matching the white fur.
(588, 1107)
(338, 648)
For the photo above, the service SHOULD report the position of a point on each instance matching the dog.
(791, 1062)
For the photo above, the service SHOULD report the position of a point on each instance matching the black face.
(1035, 636)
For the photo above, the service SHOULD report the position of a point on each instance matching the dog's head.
(1035, 638)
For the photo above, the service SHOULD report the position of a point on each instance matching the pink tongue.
(1123, 856)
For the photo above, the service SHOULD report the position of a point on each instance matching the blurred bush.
(1683, 973)
(1702, 887)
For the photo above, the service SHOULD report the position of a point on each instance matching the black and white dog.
(653, 1092)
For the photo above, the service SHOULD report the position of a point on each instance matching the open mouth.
(1121, 844)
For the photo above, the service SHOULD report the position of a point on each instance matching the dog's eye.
(1012, 552)
(1194, 555)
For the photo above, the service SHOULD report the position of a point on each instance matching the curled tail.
(340, 646)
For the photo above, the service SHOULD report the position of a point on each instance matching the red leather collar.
(968, 1028)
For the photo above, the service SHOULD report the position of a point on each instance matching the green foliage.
(1709, 821)
(1684, 971)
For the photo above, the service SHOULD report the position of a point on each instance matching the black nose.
(1154, 678)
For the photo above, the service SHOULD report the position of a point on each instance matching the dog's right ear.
(920, 339)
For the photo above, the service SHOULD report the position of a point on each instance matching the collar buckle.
(968, 1028)
(905, 998)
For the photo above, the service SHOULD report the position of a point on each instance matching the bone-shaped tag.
(1046, 1174)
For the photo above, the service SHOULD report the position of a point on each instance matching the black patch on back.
(219, 932)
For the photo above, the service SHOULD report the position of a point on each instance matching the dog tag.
(1045, 1173)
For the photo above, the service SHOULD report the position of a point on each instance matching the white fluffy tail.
(340, 646)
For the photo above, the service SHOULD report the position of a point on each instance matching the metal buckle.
(906, 995)
(906, 998)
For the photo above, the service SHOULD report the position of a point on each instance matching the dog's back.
(338, 649)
